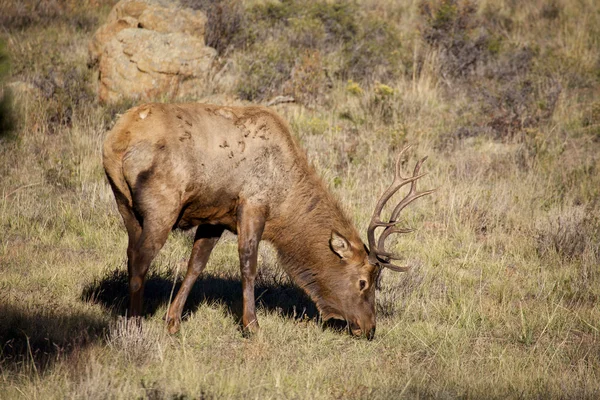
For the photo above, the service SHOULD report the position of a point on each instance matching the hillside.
(502, 300)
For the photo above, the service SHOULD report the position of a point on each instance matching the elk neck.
(302, 231)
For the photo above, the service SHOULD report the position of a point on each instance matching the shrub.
(520, 105)
(226, 22)
(285, 47)
(308, 80)
(316, 42)
(510, 92)
(354, 88)
(382, 103)
(264, 70)
(308, 33)
(451, 28)
(375, 54)
(339, 19)
(570, 236)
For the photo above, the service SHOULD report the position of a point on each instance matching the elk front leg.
(250, 225)
(205, 240)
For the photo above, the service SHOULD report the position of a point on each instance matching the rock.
(105, 33)
(155, 15)
(168, 20)
(150, 48)
(146, 64)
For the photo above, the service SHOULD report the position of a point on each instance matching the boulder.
(144, 64)
(104, 34)
(151, 48)
(155, 15)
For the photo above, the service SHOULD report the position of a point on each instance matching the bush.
(290, 48)
(382, 104)
(226, 22)
(451, 28)
(572, 235)
(375, 54)
(308, 81)
(264, 70)
(317, 42)
(520, 105)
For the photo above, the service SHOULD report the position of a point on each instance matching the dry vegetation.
(503, 96)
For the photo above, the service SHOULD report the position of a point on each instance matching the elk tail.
(112, 159)
(114, 173)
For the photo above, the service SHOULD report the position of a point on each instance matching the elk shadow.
(31, 340)
(273, 295)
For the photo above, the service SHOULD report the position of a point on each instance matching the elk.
(239, 168)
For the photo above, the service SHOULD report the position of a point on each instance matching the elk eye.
(362, 283)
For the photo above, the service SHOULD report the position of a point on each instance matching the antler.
(377, 253)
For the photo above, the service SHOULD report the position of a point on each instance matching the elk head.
(351, 295)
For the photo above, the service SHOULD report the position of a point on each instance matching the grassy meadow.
(502, 299)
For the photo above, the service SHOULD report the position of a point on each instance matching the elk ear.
(340, 245)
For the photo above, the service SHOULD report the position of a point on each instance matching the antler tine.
(409, 198)
(412, 194)
(377, 254)
(394, 267)
(376, 222)
(390, 191)
(387, 232)
(384, 256)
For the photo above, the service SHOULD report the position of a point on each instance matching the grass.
(502, 299)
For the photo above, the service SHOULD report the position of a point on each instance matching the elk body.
(239, 169)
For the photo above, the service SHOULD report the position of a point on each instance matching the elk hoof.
(173, 325)
(251, 329)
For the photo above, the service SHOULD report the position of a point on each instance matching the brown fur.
(235, 168)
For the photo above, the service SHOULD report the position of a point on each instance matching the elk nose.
(365, 329)
(355, 329)
(368, 327)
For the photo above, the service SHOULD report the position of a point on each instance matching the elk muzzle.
(363, 328)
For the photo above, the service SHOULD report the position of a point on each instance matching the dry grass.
(502, 301)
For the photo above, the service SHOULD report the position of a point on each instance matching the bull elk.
(238, 168)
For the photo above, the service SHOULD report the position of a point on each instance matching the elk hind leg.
(205, 240)
(134, 232)
(155, 231)
(133, 225)
(134, 229)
